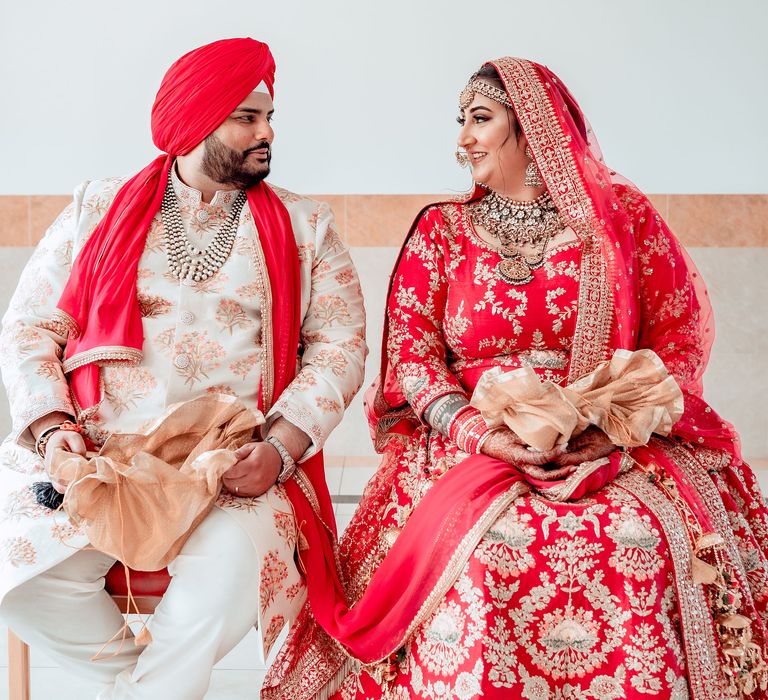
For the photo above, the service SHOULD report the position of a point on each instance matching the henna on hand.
(590, 445)
(547, 472)
(506, 446)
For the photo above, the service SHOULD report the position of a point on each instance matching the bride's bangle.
(443, 412)
(469, 430)
(486, 435)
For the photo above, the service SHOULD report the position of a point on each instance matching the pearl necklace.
(517, 224)
(186, 261)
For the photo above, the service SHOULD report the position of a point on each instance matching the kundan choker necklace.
(185, 261)
(517, 224)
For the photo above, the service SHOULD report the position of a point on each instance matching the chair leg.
(18, 668)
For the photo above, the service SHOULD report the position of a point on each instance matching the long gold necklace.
(517, 224)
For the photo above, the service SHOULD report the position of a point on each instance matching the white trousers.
(210, 605)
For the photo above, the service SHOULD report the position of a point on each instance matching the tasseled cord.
(744, 667)
(46, 495)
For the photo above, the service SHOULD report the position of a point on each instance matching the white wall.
(366, 92)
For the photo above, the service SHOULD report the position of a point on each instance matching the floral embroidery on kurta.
(198, 338)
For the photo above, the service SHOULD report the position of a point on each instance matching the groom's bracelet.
(289, 464)
(42, 439)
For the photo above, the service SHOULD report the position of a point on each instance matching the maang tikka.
(532, 174)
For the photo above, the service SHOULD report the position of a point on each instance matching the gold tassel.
(143, 638)
(703, 572)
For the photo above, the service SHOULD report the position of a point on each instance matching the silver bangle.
(289, 464)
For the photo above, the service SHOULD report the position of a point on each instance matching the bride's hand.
(590, 445)
(506, 446)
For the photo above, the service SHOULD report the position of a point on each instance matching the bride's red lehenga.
(653, 585)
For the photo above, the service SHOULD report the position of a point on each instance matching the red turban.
(99, 307)
(203, 88)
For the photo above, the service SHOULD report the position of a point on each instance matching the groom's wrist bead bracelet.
(42, 439)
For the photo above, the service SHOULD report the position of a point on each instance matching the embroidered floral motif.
(330, 310)
(274, 628)
(19, 551)
(286, 526)
(273, 575)
(203, 353)
(504, 548)
(245, 365)
(153, 305)
(230, 314)
(124, 387)
(638, 543)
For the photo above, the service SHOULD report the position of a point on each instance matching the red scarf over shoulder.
(99, 307)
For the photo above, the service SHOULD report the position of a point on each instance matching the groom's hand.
(66, 440)
(256, 470)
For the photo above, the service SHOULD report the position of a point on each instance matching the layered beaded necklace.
(185, 260)
(517, 224)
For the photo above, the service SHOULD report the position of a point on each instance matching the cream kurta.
(201, 337)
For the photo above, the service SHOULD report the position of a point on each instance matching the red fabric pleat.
(378, 623)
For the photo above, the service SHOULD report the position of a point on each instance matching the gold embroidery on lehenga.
(637, 542)
(570, 640)
(504, 548)
(459, 558)
(703, 663)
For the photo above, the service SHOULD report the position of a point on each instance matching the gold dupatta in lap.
(141, 497)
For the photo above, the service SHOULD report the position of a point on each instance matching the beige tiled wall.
(383, 220)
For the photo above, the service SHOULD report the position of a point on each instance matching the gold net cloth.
(141, 496)
(628, 397)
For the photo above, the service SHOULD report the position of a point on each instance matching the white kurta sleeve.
(332, 338)
(31, 347)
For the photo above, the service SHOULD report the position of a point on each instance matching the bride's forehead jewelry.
(478, 86)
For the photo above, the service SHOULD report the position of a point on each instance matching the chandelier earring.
(532, 174)
(461, 158)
